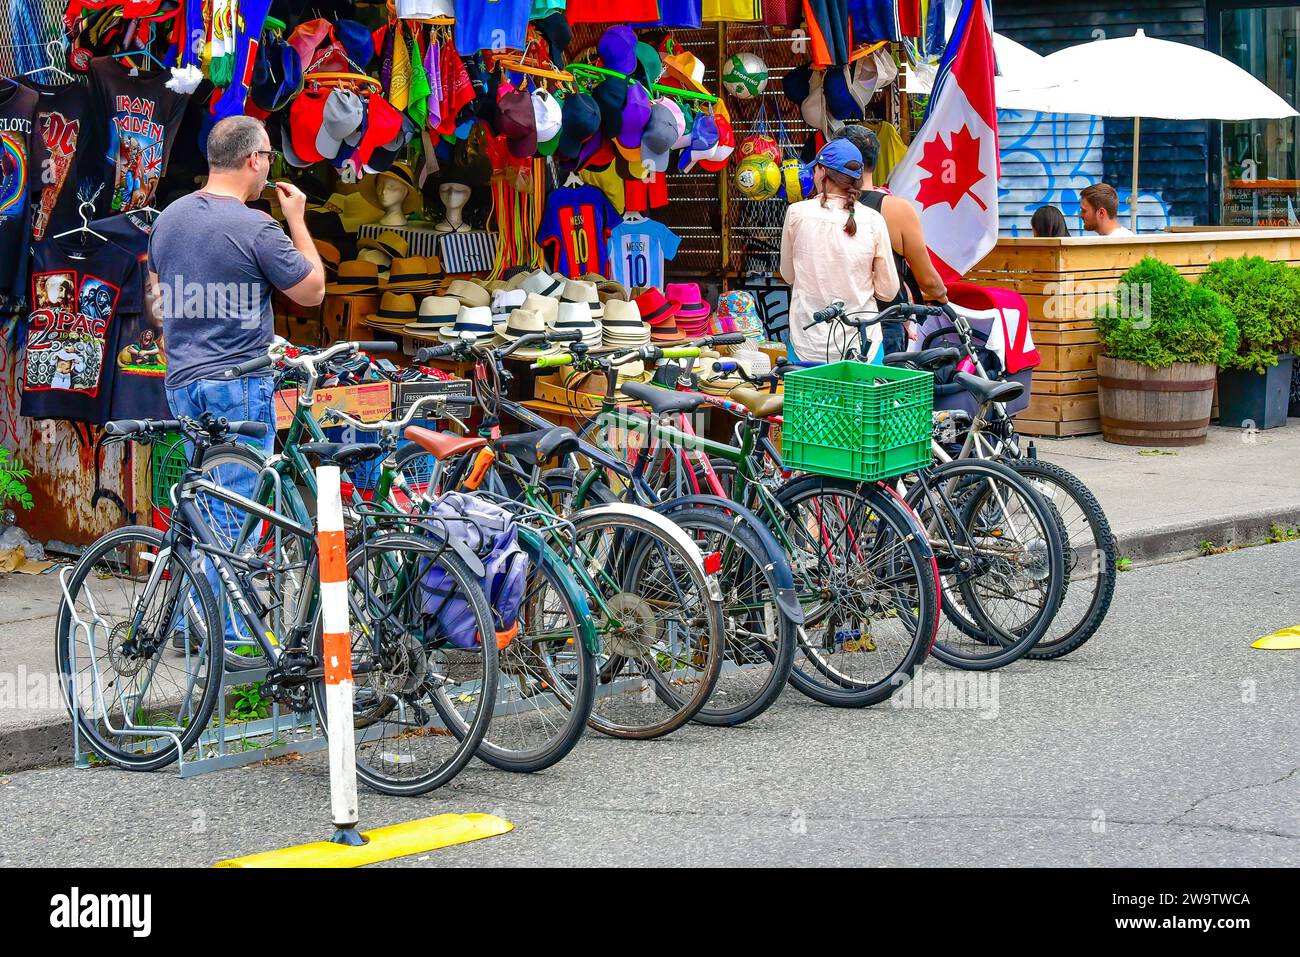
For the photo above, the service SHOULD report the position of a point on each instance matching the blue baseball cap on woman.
(838, 155)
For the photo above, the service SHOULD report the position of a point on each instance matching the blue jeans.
(250, 399)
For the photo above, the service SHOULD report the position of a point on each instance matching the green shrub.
(1161, 318)
(1264, 298)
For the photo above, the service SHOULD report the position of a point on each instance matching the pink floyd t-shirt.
(81, 290)
(17, 114)
(142, 117)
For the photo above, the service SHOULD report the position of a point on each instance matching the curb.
(40, 746)
(1179, 542)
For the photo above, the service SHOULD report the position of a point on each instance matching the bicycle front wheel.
(414, 689)
(145, 670)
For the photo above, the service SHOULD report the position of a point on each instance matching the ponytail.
(848, 189)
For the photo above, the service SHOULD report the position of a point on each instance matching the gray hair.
(233, 140)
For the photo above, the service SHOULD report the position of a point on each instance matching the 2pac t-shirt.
(142, 119)
(637, 251)
(61, 143)
(17, 114)
(81, 288)
(575, 230)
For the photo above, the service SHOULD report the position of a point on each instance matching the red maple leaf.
(954, 170)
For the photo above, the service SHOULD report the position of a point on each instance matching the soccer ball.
(759, 145)
(758, 178)
(744, 75)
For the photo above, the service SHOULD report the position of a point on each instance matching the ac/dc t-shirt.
(17, 114)
(140, 391)
(637, 251)
(62, 151)
(142, 119)
(575, 230)
(81, 288)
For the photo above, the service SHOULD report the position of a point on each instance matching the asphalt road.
(1164, 741)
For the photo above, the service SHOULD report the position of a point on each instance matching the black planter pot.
(1249, 399)
(1293, 409)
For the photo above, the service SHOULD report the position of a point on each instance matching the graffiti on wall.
(1047, 158)
(79, 486)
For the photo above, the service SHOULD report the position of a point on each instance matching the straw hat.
(580, 290)
(436, 314)
(525, 322)
(542, 283)
(355, 278)
(411, 274)
(475, 321)
(469, 293)
(622, 325)
(396, 309)
(391, 244)
(506, 301)
(547, 306)
(577, 315)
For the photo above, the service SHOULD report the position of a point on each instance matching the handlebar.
(899, 312)
(397, 426)
(122, 428)
(279, 351)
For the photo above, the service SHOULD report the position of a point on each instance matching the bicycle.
(405, 670)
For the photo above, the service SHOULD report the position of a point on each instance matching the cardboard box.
(369, 402)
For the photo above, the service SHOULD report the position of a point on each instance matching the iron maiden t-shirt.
(17, 111)
(82, 288)
(142, 119)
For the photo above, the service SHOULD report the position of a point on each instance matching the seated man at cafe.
(1099, 204)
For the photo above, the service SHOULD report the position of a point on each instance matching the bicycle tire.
(403, 662)
(543, 677)
(205, 660)
(1101, 554)
(1005, 645)
(910, 577)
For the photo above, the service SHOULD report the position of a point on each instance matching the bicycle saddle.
(986, 390)
(443, 445)
(761, 404)
(662, 401)
(534, 448)
(342, 454)
(924, 358)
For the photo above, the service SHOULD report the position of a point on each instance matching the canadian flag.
(950, 172)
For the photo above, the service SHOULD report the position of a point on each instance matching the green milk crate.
(857, 421)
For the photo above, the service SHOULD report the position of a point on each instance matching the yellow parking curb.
(1288, 639)
(383, 843)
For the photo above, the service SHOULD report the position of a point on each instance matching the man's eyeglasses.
(269, 154)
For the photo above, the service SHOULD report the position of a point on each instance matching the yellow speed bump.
(383, 843)
(1288, 639)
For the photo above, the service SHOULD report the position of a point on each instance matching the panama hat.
(542, 283)
(547, 306)
(506, 301)
(391, 244)
(577, 316)
(400, 172)
(355, 277)
(396, 309)
(523, 322)
(622, 325)
(475, 321)
(411, 274)
(436, 314)
(469, 293)
(583, 291)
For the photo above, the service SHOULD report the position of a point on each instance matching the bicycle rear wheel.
(128, 673)
(412, 686)
(868, 587)
(1000, 557)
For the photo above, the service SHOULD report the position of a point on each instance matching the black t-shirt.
(141, 360)
(81, 288)
(64, 152)
(17, 112)
(141, 117)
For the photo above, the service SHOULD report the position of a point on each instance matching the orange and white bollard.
(336, 645)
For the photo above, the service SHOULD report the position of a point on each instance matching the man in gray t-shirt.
(213, 265)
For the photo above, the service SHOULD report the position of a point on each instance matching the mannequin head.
(454, 196)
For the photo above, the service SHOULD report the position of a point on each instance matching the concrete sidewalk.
(1163, 503)
(1161, 507)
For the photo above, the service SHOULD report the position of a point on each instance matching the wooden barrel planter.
(1156, 407)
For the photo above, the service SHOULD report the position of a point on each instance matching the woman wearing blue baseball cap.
(833, 247)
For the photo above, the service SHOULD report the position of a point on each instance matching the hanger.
(141, 52)
(85, 224)
(54, 52)
(519, 63)
(633, 217)
(326, 78)
(573, 181)
(866, 50)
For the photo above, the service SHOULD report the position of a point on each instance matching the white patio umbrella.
(1018, 68)
(1141, 76)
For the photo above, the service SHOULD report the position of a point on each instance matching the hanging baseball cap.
(840, 103)
(358, 44)
(385, 156)
(683, 119)
(721, 153)
(636, 114)
(661, 132)
(277, 75)
(547, 119)
(304, 123)
(580, 120)
(839, 155)
(797, 84)
(383, 124)
(517, 123)
(340, 118)
(648, 65)
(704, 137)
(611, 96)
(617, 49)
(557, 33)
(871, 74)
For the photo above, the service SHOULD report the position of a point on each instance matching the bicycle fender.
(667, 527)
(786, 598)
(534, 545)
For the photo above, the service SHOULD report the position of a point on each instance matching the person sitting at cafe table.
(1099, 204)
